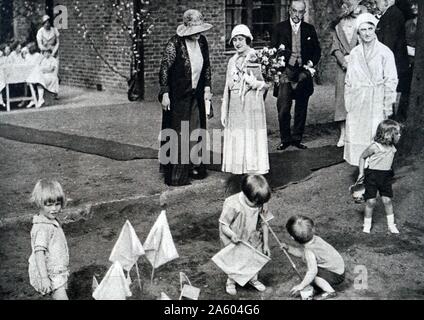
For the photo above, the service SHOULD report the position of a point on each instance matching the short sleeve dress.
(47, 235)
(243, 220)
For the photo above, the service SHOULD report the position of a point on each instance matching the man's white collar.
(295, 24)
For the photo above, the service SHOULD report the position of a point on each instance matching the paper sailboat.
(159, 246)
(128, 247)
(94, 284)
(114, 285)
(164, 296)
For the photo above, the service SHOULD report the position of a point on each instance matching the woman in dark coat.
(185, 89)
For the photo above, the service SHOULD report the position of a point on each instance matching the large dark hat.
(193, 23)
(348, 6)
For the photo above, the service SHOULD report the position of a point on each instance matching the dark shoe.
(299, 145)
(198, 174)
(325, 296)
(283, 146)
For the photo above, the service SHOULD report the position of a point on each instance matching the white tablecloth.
(14, 73)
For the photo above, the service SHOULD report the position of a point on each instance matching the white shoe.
(367, 229)
(258, 285)
(30, 105)
(393, 229)
(2, 104)
(230, 288)
(340, 143)
(40, 103)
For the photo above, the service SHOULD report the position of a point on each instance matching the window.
(259, 16)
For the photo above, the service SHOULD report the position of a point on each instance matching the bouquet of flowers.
(272, 62)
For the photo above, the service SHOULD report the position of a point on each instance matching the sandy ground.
(110, 192)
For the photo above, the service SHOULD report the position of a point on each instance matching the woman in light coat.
(370, 88)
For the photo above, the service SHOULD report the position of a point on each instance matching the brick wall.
(27, 22)
(80, 65)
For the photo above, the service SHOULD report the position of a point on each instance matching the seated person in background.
(24, 53)
(15, 56)
(33, 57)
(325, 265)
(45, 77)
(6, 49)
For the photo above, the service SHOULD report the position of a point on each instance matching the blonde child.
(325, 265)
(48, 263)
(240, 221)
(378, 175)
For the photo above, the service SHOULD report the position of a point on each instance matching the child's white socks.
(391, 224)
(367, 225)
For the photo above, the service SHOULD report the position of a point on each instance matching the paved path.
(92, 179)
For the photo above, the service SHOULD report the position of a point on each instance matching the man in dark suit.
(391, 32)
(302, 48)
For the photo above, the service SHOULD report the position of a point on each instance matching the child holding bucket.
(378, 175)
(48, 263)
(240, 221)
(325, 265)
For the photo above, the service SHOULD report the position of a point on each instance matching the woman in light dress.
(243, 110)
(15, 56)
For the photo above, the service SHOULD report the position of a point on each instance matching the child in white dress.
(240, 221)
(48, 263)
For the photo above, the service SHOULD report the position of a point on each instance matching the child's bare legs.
(323, 285)
(369, 208)
(1, 100)
(33, 102)
(230, 287)
(40, 91)
(342, 134)
(60, 294)
(388, 207)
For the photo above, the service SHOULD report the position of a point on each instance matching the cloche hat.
(366, 17)
(45, 18)
(192, 23)
(241, 29)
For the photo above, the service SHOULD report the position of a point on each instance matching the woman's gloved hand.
(166, 103)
